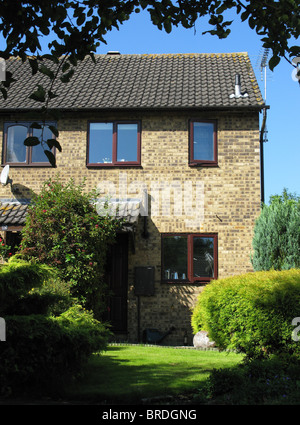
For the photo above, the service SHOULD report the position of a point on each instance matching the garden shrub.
(41, 352)
(5, 250)
(58, 294)
(17, 278)
(48, 336)
(276, 240)
(265, 381)
(64, 231)
(251, 313)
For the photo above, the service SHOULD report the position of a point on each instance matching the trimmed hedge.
(45, 345)
(251, 313)
(41, 352)
(17, 277)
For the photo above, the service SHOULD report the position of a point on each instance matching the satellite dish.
(4, 175)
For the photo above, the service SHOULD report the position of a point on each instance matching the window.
(189, 257)
(13, 238)
(14, 150)
(203, 142)
(114, 143)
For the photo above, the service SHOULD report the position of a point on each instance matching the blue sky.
(282, 151)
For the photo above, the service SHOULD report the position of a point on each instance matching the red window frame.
(114, 162)
(204, 162)
(28, 155)
(190, 271)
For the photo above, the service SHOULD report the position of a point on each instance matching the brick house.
(174, 141)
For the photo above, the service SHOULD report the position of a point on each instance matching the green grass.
(128, 373)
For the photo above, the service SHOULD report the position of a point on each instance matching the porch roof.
(12, 214)
(127, 209)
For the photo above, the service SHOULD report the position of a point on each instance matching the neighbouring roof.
(13, 214)
(149, 81)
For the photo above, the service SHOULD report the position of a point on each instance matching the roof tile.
(143, 81)
(12, 214)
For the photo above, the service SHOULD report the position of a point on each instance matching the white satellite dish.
(4, 175)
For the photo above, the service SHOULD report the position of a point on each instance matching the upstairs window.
(203, 143)
(14, 150)
(189, 257)
(114, 144)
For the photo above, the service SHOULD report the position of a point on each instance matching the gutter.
(220, 108)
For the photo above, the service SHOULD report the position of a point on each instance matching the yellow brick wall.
(231, 198)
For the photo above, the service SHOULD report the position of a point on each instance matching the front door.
(116, 277)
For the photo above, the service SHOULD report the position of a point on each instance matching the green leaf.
(36, 125)
(52, 58)
(245, 15)
(34, 65)
(46, 71)
(65, 67)
(39, 95)
(274, 61)
(54, 130)
(4, 93)
(31, 141)
(168, 26)
(54, 143)
(9, 79)
(50, 157)
(80, 19)
(45, 30)
(72, 59)
(66, 77)
(51, 94)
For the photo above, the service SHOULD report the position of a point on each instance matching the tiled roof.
(144, 82)
(12, 214)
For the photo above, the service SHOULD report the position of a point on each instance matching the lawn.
(128, 373)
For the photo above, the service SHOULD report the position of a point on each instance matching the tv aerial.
(262, 62)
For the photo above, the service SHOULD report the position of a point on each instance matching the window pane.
(127, 142)
(175, 257)
(203, 141)
(16, 150)
(100, 146)
(203, 257)
(38, 154)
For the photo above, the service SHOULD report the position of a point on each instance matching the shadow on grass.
(125, 375)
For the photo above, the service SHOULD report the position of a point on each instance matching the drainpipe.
(261, 140)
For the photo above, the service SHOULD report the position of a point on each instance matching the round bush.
(41, 352)
(251, 313)
(48, 336)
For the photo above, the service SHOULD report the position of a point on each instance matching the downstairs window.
(189, 257)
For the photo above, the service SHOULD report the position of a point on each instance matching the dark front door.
(116, 277)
